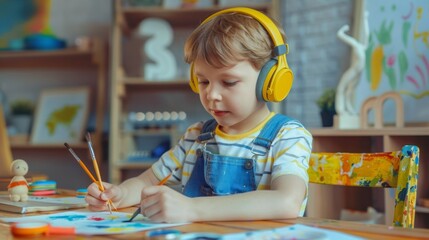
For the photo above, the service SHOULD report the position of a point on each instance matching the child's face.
(228, 94)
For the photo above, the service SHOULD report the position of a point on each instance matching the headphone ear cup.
(193, 82)
(280, 85)
(264, 78)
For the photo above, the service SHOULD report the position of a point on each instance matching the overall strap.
(207, 130)
(270, 130)
(197, 182)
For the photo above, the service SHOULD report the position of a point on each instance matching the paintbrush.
(97, 170)
(81, 164)
(162, 182)
(99, 184)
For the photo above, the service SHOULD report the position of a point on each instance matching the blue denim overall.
(214, 174)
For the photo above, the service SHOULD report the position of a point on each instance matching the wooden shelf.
(421, 209)
(134, 165)
(61, 58)
(22, 142)
(47, 146)
(140, 82)
(74, 58)
(149, 132)
(67, 52)
(130, 85)
(407, 131)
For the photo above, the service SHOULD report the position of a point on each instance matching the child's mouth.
(219, 113)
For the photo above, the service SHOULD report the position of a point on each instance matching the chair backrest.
(397, 169)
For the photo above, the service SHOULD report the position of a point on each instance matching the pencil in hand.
(162, 182)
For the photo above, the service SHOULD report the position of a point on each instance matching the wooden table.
(370, 231)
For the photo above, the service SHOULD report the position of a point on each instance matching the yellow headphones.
(276, 78)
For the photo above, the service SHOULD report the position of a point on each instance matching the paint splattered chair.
(397, 169)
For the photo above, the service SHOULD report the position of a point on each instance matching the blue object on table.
(81, 192)
(43, 42)
(163, 233)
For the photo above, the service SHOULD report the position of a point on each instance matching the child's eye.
(230, 84)
(203, 81)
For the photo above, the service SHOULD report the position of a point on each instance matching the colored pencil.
(162, 182)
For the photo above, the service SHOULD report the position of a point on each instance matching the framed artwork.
(397, 57)
(61, 116)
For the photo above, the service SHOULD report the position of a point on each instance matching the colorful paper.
(95, 223)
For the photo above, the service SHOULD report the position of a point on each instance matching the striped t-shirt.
(289, 154)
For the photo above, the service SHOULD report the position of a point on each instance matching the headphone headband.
(265, 21)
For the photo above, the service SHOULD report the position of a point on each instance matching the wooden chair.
(397, 169)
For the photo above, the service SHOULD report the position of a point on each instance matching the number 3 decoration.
(161, 64)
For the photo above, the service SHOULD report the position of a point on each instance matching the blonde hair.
(229, 38)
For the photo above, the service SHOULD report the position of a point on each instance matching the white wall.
(76, 18)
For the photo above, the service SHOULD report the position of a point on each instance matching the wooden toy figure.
(18, 186)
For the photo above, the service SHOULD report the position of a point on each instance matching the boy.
(248, 163)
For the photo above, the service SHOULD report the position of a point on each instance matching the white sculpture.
(344, 99)
(162, 65)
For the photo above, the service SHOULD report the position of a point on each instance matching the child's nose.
(213, 92)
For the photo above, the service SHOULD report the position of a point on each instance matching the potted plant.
(326, 103)
(22, 114)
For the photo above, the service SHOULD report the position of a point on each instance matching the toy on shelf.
(376, 104)
(18, 187)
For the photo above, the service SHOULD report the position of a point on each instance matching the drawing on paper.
(95, 223)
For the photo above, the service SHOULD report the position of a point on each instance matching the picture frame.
(61, 116)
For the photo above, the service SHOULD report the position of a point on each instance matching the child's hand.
(97, 200)
(163, 204)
